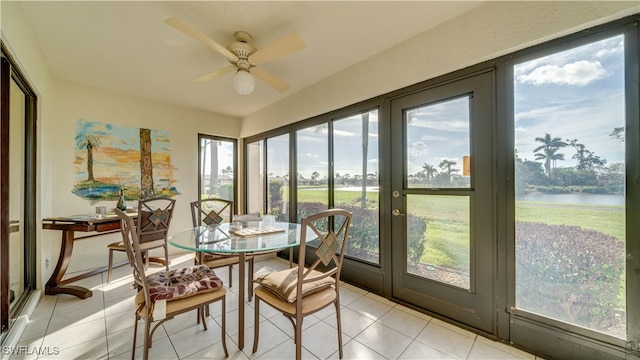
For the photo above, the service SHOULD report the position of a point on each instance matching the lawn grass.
(447, 220)
(320, 194)
(605, 219)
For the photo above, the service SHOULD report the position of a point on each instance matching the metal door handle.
(396, 212)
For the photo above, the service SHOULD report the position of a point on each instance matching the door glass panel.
(217, 168)
(16, 196)
(438, 238)
(438, 145)
(570, 186)
(312, 160)
(278, 174)
(355, 143)
(255, 178)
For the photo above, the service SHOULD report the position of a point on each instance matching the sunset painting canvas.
(110, 157)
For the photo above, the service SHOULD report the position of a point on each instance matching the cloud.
(614, 49)
(579, 73)
(418, 148)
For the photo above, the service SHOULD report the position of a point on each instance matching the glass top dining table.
(253, 238)
(223, 239)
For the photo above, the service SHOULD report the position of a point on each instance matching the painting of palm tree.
(146, 165)
(89, 142)
(110, 157)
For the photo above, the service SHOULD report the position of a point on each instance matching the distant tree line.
(591, 174)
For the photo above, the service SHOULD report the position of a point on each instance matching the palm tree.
(618, 133)
(89, 142)
(587, 160)
(448, 167)
(314, 177)
(147, 189)
(547, 151)
(429, 171)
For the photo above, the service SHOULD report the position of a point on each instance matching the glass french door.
(443, 252)
(17, 194)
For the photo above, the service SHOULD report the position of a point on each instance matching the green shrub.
(364, 234)
(225, 191)
(570, 273)
(275, 191)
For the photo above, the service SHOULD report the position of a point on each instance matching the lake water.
(592, 199)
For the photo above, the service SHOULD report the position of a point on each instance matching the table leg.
(53, 285)
(241, 288)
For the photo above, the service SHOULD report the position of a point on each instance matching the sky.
(574, 94)
(437, 132)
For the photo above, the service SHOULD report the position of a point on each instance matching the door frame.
(477, 310)
(11, 72)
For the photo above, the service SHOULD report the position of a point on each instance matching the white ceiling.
(125, 46)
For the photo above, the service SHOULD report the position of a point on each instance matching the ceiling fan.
(244, 57)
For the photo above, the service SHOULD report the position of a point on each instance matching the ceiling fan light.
(243, 82)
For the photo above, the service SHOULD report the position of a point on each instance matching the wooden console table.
(69, 225)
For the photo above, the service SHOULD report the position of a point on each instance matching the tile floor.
(100, 327)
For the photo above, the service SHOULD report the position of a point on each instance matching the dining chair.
(163, 295)
(212, 212)
(149, 218)
(303, 290)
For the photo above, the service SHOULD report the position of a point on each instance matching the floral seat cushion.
(182, 283)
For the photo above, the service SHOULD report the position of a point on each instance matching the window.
(336, 167)
(437, 157)
(355, 181)
(217, 171)
(312, 164)
(254, 155)
(278, 177)
(570, 229)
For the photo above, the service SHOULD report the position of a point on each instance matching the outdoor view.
(355, 179)
(216, 168)
(570, 186)
(278, 170)
(355, 163)
(438, 227)
(353, 187)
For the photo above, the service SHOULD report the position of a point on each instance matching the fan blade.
(269, 79)
(284, 46)
(196, 34)
(215, 74)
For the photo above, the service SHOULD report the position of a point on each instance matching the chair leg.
(147, 339)
(166, 256)
(110, 267)
(135, 334)
(339, 321)
(256, 324)
(201, 311)
(198, 316)
(250, 280)
(224, 326)
(298, 337)
(230, 275)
